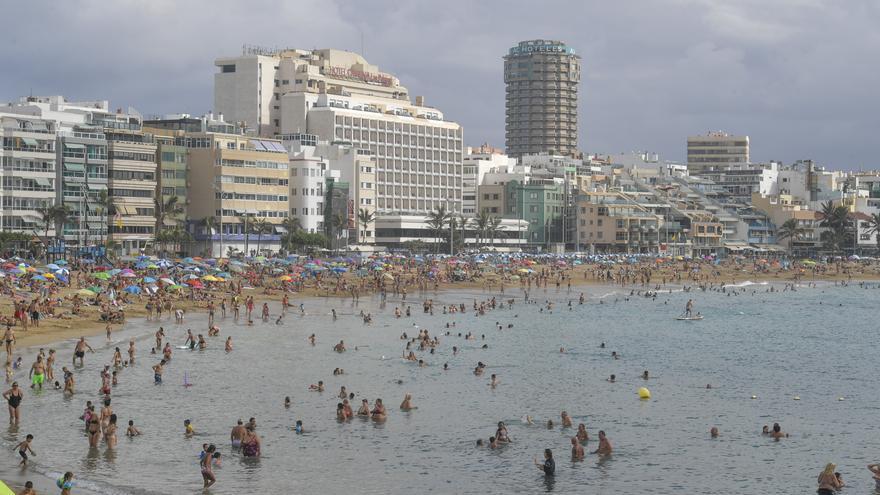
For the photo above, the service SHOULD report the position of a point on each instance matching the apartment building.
(132, 182)
(616, 222)
(312, 163)
(477, 163)
(28, 173)
(717, 150)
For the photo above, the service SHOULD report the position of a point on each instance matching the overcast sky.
(800, 77)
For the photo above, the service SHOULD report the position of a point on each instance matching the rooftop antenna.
(363, 53)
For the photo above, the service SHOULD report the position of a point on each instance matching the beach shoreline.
(52, 331)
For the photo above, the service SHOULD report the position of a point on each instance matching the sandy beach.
(88, 322)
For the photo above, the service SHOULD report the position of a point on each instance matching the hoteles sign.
(546, 48)
(369, 77)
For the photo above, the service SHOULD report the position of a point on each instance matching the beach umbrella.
(95, 289)
(195, 283)
(168, 281)
(40, 278)
(150, 280)
(339, 269)
(236, 268)
(211, 278)
(174, 287)
(132, 289)
(49, 275)
(285, 278)
(224, 275)
(128, 275)
(60, 262)
(85, 293)
(141, 265)
(102, 276)
(115, 271)
(53, 266)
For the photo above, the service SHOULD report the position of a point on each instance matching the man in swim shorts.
(79, 351)
(237, 434)
(38, 373)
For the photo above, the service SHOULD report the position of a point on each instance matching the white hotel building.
(340, 98)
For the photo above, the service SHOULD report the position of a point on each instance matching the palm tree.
(60, 216)
(436, 221)
(463, 224)
(180, 236)
(209, 223)
(494, 228)
(790, 230)
(260, 226)
(246, 230)
(105, 204)
(874, 228)
(46, 216)
(365, 218)
(338, 222)
(293, 225)
(482, 223)
(169, 209)
(835, 220)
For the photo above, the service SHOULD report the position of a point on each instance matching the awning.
(29, 141)
(75, 167)
(43, 182)
(96, 187)
(125, 210)
(280, 229)
(74, 146)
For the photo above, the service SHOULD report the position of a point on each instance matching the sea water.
(816, 343)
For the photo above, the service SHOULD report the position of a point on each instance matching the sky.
(800, 77)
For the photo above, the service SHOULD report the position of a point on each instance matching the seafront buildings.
(322, 143)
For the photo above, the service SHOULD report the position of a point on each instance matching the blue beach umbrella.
(132, 289)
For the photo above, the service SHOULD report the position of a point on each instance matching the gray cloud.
(798, 76)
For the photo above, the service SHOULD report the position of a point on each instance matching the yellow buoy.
(754, 397)
(644, 393)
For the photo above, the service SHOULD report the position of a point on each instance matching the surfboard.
(689, 318)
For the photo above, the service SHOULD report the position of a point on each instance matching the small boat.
(690, 318)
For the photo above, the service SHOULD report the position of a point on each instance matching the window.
(227, 68)
(599, 222)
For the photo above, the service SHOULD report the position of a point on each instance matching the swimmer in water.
(604, 445)
(611, 379)
(875, 470)
(777, 432)
(713, 432)
(577, 450)
(566, 419)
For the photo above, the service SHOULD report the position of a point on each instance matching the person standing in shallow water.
(205, 464)
(13, 398)
(549, 465)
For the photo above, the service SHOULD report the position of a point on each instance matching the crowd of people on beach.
(100, 420)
